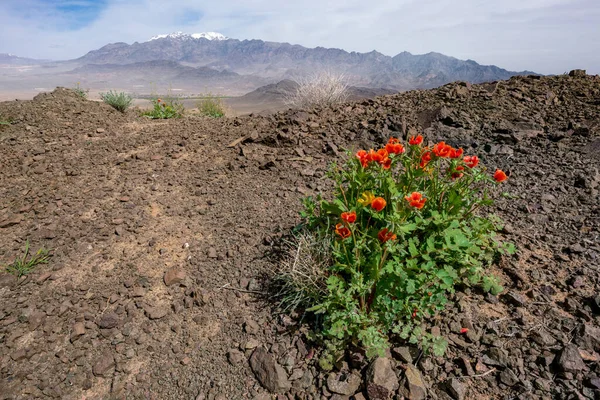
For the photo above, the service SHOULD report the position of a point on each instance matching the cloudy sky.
(546, 36)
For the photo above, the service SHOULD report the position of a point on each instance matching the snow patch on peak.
(181, 35)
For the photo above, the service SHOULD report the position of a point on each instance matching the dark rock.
(109, 321)
(268, 372)
(594, 382)
(103, 364)
(156, 312)
(588, 336)
(346, 384)
(569, 359)
(415, 385)
(382, 381)
(174, 276)
(496, 357)
(543, 338)
(456, 388)
(515, 298)
(508, 377)
(402, 354)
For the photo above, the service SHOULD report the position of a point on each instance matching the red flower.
(464, 330)
(457, 174)
(343, 231)
(425, 158)
(387, 163)
(363, 156)
(384, 235)
(378, 203)
(500, 176)
(374, 156)
(456, 153)
(349, 217)
(394, 148)
(471, 161)
(415, 140)
(393, 140)
(414, 313)
(442, 150)
(416, 200)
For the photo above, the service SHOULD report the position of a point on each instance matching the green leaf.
(439, 346)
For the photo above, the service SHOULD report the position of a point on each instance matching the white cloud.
(548, 36)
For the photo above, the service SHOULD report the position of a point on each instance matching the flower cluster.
(409, 228)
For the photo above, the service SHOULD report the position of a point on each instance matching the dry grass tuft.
(319, 90)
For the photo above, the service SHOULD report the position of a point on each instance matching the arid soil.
(161, 233)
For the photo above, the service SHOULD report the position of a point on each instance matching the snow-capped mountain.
(181, 35)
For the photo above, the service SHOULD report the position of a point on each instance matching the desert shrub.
(318, 90)
(80, 91)
(211, 106)
(27, 263)
(405, 227)
(120, 101)
(170, 107)
(4, 121)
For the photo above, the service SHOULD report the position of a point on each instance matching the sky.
(545, 36)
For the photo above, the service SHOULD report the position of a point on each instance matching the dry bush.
(300, 281)
(319, 90)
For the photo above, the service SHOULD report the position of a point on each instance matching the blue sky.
(547, 36)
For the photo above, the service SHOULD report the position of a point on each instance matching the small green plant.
(211, 106)
(80, 91)
(4, 121)
(405, 229)
(120, 101)
(27, 263)
(170, 107)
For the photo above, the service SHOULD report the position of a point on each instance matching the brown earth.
(161, 230)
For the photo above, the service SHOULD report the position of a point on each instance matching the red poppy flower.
(343, 231)
(415, 140)
(386, 163)
(378, 203)
(363, 156)
(416, 200)
(442, 150)
(394, 148)
(500, 176)
(385, 234)
(457, 174)
(425, 158)
(349, 217)
(456, 153)
(374, 156)
(393, 140)
(464, 330)
(471, 161)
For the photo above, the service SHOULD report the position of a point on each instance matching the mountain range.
(276, 61)
(191, 64)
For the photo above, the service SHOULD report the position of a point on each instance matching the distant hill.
(275, 61)
(11, 59)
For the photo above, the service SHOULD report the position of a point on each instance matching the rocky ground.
(160, 233)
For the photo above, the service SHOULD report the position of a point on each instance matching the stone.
(594, 383)
(100, 130)
(156, 312)
(251, 327)
(382, 381)
(415, 385)
(103, 364)
(342, 383)
(496, 357)
(588, 336)
(578, 73)
(508, 377)
(456, 388)
(515, 298)
(174, 276)
(569, 359)
(235, 356)
(78, 330)
(402, 354)
(36, 319)
(212, 253)
(268, 372)
(109, 321)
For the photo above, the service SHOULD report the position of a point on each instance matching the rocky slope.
(160, 232)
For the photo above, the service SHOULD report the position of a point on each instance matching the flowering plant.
(406, 228)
